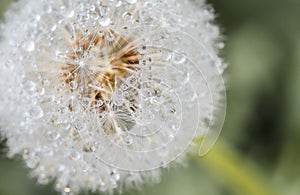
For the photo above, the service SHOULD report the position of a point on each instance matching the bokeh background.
(258, 150)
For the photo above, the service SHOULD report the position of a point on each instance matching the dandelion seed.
(100, 95)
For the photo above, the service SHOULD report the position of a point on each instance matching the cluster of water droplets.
(150, 118)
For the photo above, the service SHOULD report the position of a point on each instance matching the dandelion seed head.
(101, 95)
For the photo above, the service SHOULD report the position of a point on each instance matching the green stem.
(243, 177)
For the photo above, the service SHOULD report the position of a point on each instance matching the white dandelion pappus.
(100, 95)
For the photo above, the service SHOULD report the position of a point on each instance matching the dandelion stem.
(239, 174)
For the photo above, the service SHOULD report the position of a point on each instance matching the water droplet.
(115, 176)
(49, 9)
(166, 56)
(53, 135)
(164, 151)
(60, 167)
(42, 91)
(54, 27)
(144, 117)
(104, 21)
(221, 45)
(119, 3)
(164, 164)
(81, 125)
(131, 1)
(103, 186)
(38, 18)
(128, 140)
(67, 190)
(59, 55)
(45, 81)
(142, 49)
(29, 46)
(73, 85)
(32, 161)
(66, 126)
(75, 155)
(154, 100)
(179, 58)
(70, 14)
(124, 86)
(127, 16)
(92, 8)
(43, 179)
(131, 81)
(36, 112)
(100, 33)
(103, 10)
(110, 37)
(126, 94)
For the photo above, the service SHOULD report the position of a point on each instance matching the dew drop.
(37, 18)
(128, 140)
(104, 21)
(163, 152)
(53, 28)
(164, 164)
(92, 8)
(60, 167)
(126, 94)
(101, 33)
(166, 56)
(67, 190)
(179, 58)
(75, 155)
(124, 86)
(144, 117)
(52, 135)
(36, 112)
(59, 55)
(66, 126)
(119, 3)
(70, 14)
(29, 46)
(127, 16)
(99, 103)
(131, 81)
(110, 37)
(131, 1)
(142, 49)
(103, 186)
(45, 81)
(221, 45)
(43, 179)
(32, 161)
(73, 85)
(154, 100)
(115, 176)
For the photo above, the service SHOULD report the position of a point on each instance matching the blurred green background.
(258, 150)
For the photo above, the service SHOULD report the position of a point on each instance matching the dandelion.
(100, 95)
